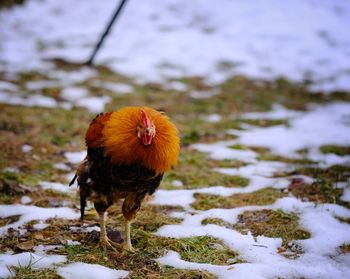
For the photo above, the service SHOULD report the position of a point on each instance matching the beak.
(147, 139)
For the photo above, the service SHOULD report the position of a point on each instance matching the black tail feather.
(73, 180)
(82, 207)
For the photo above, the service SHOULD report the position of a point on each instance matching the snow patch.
(94, 104)
(59, 187)
(73, 94)
(34, 100)
(26, 148)
(30, 212)
(115, 87)
(75, 157)
(35, 261)
(277, 112)
(329, 124)
(25, 200)
(261, 254)
(222, 151)
(61, 166)
(346, 195)
(177, 183)
(213, 118)
(182, 38)
(176, 85)
(89, 271)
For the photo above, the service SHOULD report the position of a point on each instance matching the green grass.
(270, 223)
(29, 273)
(217, 221)
(324, 189)
(195, 170)
(345, 248)
(149, 247)
(335, 149)
(265, 122)
(264, 196)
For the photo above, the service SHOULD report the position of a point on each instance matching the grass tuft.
(262, 197)
(270, 223)
(335, 149)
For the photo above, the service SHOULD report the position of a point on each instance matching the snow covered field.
(167, 42)
(156, 40)
(321, 257)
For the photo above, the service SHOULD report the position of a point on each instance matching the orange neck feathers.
(122, 144)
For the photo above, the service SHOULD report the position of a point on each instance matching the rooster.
(128, 152)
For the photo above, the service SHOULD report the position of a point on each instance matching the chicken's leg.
(131, 206)
(104, 240)
(127, 243)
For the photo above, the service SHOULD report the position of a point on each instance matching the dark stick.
(105, 33)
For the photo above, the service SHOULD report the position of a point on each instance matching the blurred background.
(156, 41)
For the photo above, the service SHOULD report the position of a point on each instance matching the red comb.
(145, 119)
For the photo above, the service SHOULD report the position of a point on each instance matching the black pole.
(105, 33)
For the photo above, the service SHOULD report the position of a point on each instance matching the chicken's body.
(127, 153)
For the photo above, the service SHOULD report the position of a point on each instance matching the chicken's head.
(146, 129)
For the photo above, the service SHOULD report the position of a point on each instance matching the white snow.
(94, 104)
(177, 38)
(41, 84)
(72, 77)
(261, 168)
(72, 242)
(258, 175)
(261, 255)
(73, 94)
(89, 271)
(79, 96)
(85, 228)
(222, 151)
(42, 249)
(118, 88)
(62, 166)
(35, 261)
(329, 159)
(327, 124)
(203, 94)
(7, 86)
(75, 157)
(35, 100)
(346, 195)
(30, 212)
(213, 118)
(177, 183)
(59, 187)
(40, 225)
(277, 112)
(26, 148)
(176, 85)
(25, 200)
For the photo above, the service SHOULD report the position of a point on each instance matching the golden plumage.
(123, 146)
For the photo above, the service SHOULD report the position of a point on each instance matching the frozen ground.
(165, 41)
(260, 256)
(155, 40)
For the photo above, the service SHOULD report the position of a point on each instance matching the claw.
(107, 243)
(129, 248)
